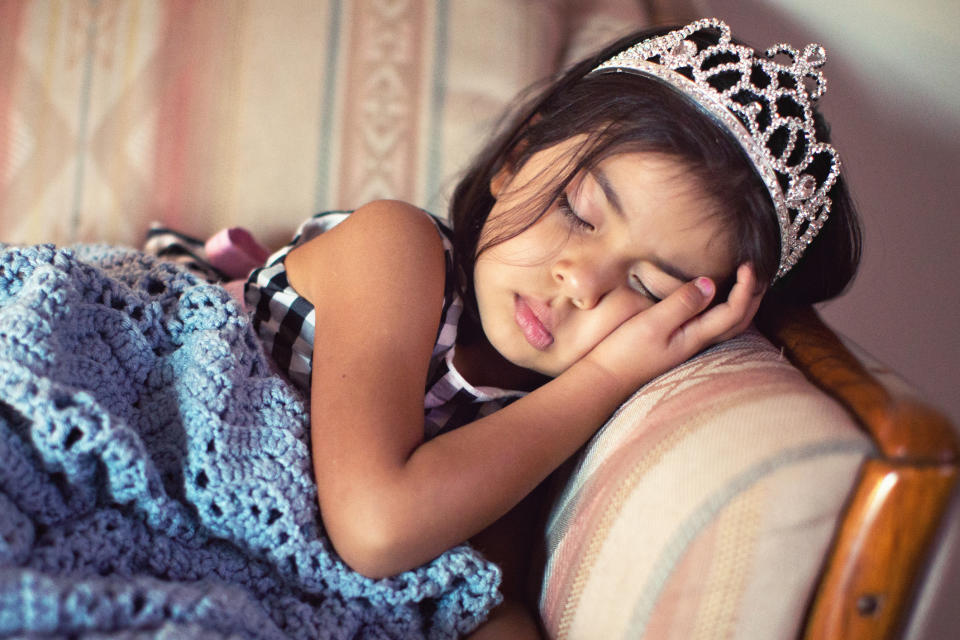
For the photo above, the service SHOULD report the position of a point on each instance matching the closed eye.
(563, 203)
(637, 285)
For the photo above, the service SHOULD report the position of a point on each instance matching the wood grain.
(877, 557)
(881, 549)
(903, 426)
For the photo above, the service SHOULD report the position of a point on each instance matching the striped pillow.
(704, 507)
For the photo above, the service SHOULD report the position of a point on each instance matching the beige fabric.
(219, 113)
(704, 507)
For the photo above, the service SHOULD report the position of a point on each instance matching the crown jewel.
(765, 102)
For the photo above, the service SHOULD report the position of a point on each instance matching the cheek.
(494, 284)
(481, 281)
(505, 220)
(615, 309)
(515, 238)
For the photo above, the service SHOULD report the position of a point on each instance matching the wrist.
(604, 386)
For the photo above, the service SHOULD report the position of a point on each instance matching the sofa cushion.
(704, 507)
(204, 115)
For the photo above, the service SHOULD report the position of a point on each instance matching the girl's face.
(622, 236)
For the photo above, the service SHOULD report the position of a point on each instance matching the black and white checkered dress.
(285, 323)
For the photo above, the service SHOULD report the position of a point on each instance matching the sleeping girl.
(639, 209)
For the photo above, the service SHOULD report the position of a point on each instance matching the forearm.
(455, 485)
(490, 465)
(422, 498)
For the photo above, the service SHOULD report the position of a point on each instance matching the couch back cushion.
(704, 507)
(204, 115)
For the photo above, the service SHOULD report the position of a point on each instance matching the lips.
(533, 329)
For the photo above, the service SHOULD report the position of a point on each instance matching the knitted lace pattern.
(156, 478)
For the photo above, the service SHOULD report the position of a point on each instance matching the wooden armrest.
(903, 426)
(880, 550)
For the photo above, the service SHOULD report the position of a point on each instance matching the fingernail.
(705, 285)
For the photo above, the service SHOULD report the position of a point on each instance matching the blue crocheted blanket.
(155, 476)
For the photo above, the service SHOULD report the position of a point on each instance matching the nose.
(583, 282)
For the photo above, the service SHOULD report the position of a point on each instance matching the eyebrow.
(608, 191)
(611, 195)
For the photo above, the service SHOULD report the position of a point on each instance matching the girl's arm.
(391, 501)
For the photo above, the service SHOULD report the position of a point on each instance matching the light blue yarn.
(155, 476)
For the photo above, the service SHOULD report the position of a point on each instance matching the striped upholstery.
(703, 508)
(203, 115)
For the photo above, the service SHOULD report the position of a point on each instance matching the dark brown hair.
(626, 112)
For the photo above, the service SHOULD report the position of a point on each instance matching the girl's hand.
(668, 333)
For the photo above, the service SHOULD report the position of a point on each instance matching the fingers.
(725, 320)
(682, 305)
(733, 316)
(677, 327)
(743, 302)
(679, 324)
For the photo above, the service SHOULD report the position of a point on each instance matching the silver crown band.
(755, 98)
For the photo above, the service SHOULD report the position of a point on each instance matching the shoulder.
(382, 239)
(395, 222)
(388, 225)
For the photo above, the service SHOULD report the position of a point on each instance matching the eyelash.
(640, 288)
(563, 202)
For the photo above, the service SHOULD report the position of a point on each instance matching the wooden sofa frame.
(880, 551)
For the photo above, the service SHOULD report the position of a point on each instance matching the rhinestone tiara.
(764, 101)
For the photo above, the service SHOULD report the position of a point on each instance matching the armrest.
(707, 502)
(881, 549)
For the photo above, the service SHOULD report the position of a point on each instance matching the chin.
(520, 354)
(539, 362)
